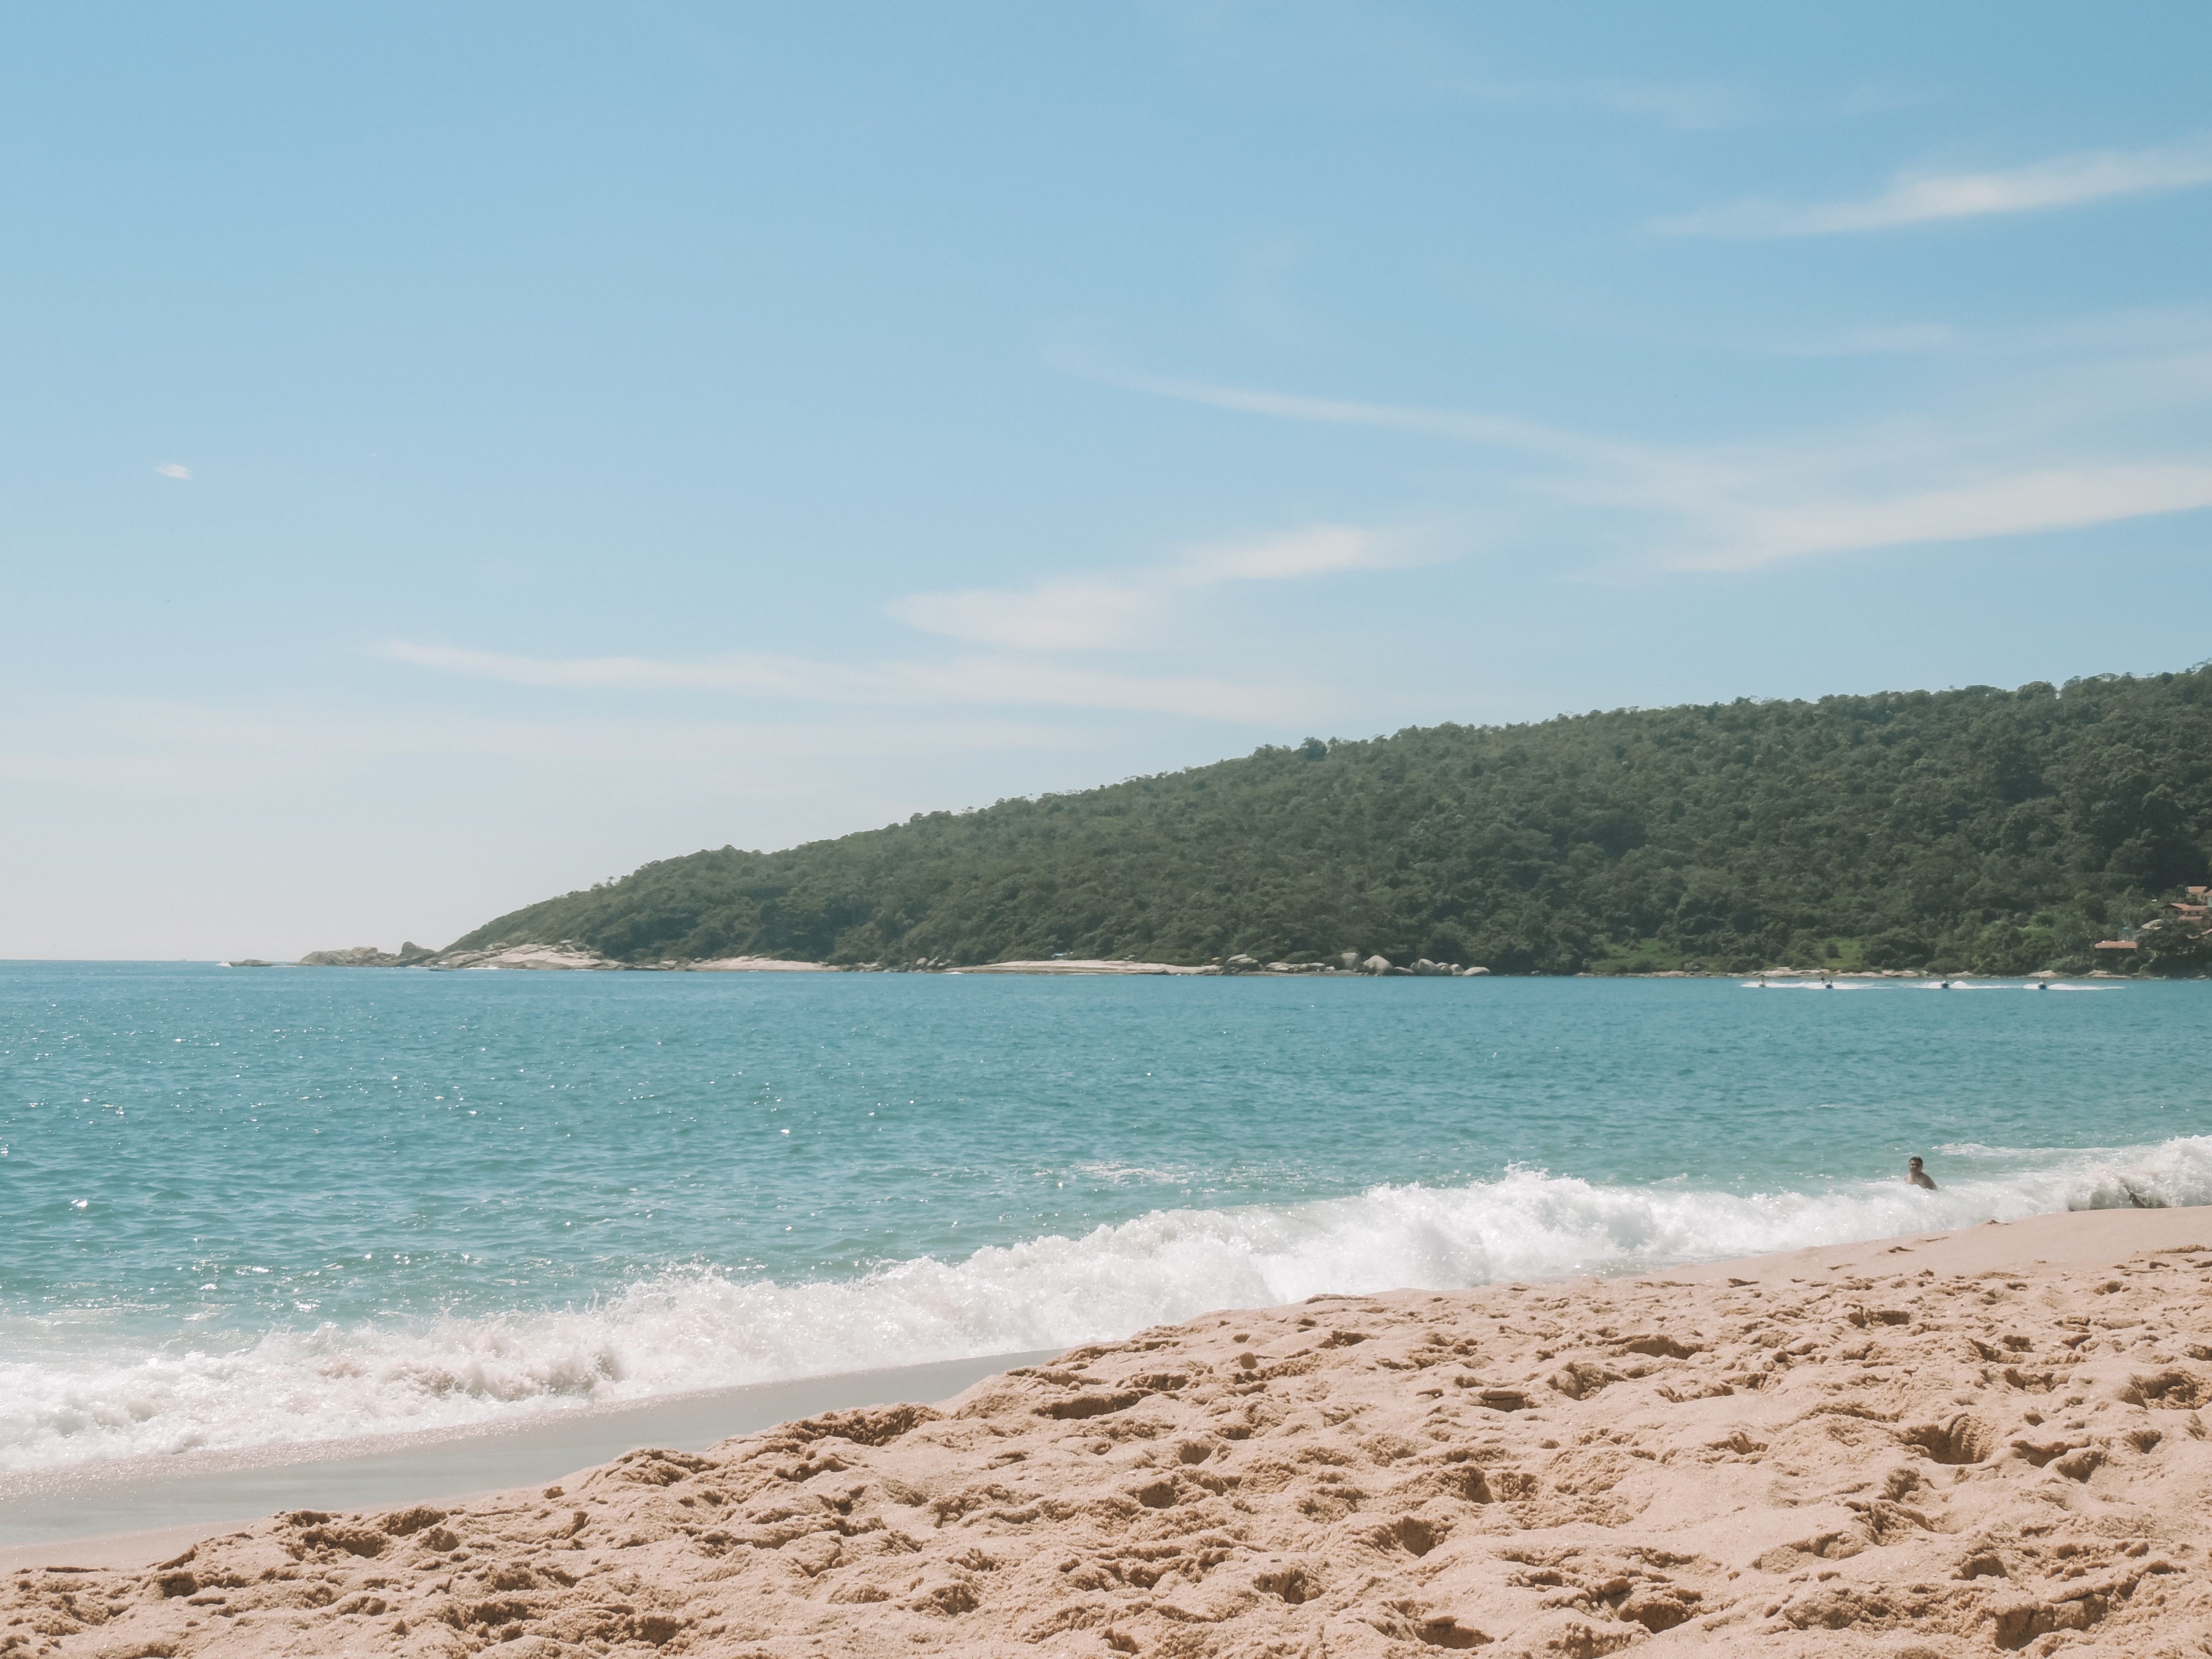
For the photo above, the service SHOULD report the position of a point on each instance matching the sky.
(452, 455)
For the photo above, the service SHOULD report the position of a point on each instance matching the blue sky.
(456, 454)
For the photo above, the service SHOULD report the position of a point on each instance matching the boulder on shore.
(1240, 964)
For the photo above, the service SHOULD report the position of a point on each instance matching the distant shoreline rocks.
(367, 955)
(569, 956)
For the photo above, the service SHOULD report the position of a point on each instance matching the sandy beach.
(187, 1496)
(1980, 1441)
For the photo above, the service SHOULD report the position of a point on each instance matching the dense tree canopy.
(2000, 831)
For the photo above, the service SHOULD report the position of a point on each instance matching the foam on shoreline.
(686, 1329)
(209, 1491)
(1981, 1437)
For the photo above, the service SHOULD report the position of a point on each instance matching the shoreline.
(203, 1492)
(209, 1489)
(535, 959)
(1979, 1436)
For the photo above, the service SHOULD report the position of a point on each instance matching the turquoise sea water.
(244, 1206)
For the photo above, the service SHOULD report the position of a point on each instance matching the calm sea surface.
(253, 1205)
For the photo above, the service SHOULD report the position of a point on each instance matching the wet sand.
(67, 1514)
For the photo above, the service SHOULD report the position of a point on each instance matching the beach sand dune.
(1974, 1443)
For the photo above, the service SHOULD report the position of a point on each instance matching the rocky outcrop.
(571, 955)
(367, 955)
(566, 956)
(1423, 968)
(1075, 965)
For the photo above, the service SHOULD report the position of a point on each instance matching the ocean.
(248, 1209)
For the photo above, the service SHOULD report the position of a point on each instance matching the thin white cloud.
(2016, 504)
(172, 469)
(1319, 549)
(1131, 609)
(970, 680)
(1733, 508)
(168, 746)
(1924, 198)
(1022, 629)
(1458, 424)
(776, 675)
(1079, 614)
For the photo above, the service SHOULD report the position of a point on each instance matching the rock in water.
(362, 956)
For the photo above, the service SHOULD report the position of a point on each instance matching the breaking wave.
(699, 1328)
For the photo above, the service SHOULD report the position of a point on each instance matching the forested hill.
(2001, 831)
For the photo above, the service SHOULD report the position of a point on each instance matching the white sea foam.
(698, 1327)
(2006, 985)
(1960, 984)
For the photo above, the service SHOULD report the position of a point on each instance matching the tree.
(2000, 829)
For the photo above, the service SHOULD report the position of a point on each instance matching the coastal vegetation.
(1981, 829)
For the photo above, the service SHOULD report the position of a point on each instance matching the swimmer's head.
(1912, 1163)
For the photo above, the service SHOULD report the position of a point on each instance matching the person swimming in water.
(1918, 1176)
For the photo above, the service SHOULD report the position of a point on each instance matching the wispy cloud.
(2017, 503)
(1724, 507)
(170, 746)
(1130, 610)
(1073, 614)
(1922, 199)
(1503, 429)
(172, 469)
(986, 680)
(1026, 633)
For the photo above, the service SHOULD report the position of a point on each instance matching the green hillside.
(2000, 831)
